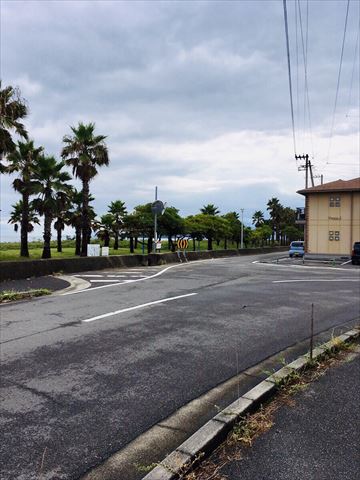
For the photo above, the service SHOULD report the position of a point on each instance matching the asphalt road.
(83, 374)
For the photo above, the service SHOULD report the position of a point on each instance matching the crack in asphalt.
(63, 325)
(36, 392)
(168, 427)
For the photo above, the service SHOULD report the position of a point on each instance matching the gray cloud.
(176, 86)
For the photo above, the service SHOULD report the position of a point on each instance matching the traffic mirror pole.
(155, 224)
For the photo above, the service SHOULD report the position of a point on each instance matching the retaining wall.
(37, 268)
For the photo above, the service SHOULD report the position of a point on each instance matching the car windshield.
(297, 244)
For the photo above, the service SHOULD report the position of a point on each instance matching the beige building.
(332, 217)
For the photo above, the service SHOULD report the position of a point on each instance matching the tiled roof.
(337, 186)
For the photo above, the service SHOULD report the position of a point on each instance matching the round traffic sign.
(157, 207)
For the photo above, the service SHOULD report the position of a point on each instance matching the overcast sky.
(193, 95)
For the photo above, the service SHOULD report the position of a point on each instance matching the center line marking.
(110, 314)
(318, 280)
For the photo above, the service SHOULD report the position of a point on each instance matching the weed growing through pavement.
(252, 426)
(181, 471)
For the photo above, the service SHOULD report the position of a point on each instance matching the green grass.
(10, 251)
(12, 295)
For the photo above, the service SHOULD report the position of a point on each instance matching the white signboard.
(93, 250)
(105, 251)
(158, 245)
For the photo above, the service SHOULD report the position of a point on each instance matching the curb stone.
(75, 284)
(214, 431)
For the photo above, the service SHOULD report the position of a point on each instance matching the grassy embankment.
(9, 251)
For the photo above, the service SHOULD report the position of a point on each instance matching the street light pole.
(242, 228)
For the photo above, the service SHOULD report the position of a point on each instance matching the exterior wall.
(323, 219)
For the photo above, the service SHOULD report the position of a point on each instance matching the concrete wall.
(323, 219)
(36, 268)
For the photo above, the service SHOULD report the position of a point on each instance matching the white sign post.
(93, 250)
(105, 251)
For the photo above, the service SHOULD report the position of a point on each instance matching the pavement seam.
(212, 433)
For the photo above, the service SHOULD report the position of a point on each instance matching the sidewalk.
(315, 437)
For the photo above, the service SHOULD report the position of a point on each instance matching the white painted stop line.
(110, 314)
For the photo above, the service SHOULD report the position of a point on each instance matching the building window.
(335, 201)
(334, 235)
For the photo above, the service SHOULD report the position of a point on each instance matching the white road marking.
(304, 267)
(345, 263)
(88, 276)
(110, 314)
(104, 281)
(139, 279)
(318, 280)
(116, 276)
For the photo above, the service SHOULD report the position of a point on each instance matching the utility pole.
(306, 167)
(242, 228)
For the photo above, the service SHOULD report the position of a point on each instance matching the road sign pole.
(242, 228)
(155, 224)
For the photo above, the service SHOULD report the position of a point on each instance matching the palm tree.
(118, 210)
(274, 208)
(52, 188)
(12, 110)
(24, 160)
(16, 215)
(258, 218)
(84, 152)
(73, 216)
(104, 228)
(210, 209)
(63, 203)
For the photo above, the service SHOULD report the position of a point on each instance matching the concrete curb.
(214, 431)
(76, 284)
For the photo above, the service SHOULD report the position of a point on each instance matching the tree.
(85, 152)
(292, 233)
(74, 216)
(118, 210)
(234, 228)
(274, 208)
(52, 188)
(287, 219)
(261, 234)
(210, 209)
(195, 228)
(206, 225)
(258, 218)
(23, 160)
(171, 224)
(104, 228)
(145, 223)
(131, 227)
(16, 216)
(12, 109)
(63, 204)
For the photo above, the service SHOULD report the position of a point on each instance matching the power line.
(353, 69)
(338, 79)
(297, 67)
(306, 84)
(289, 73)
